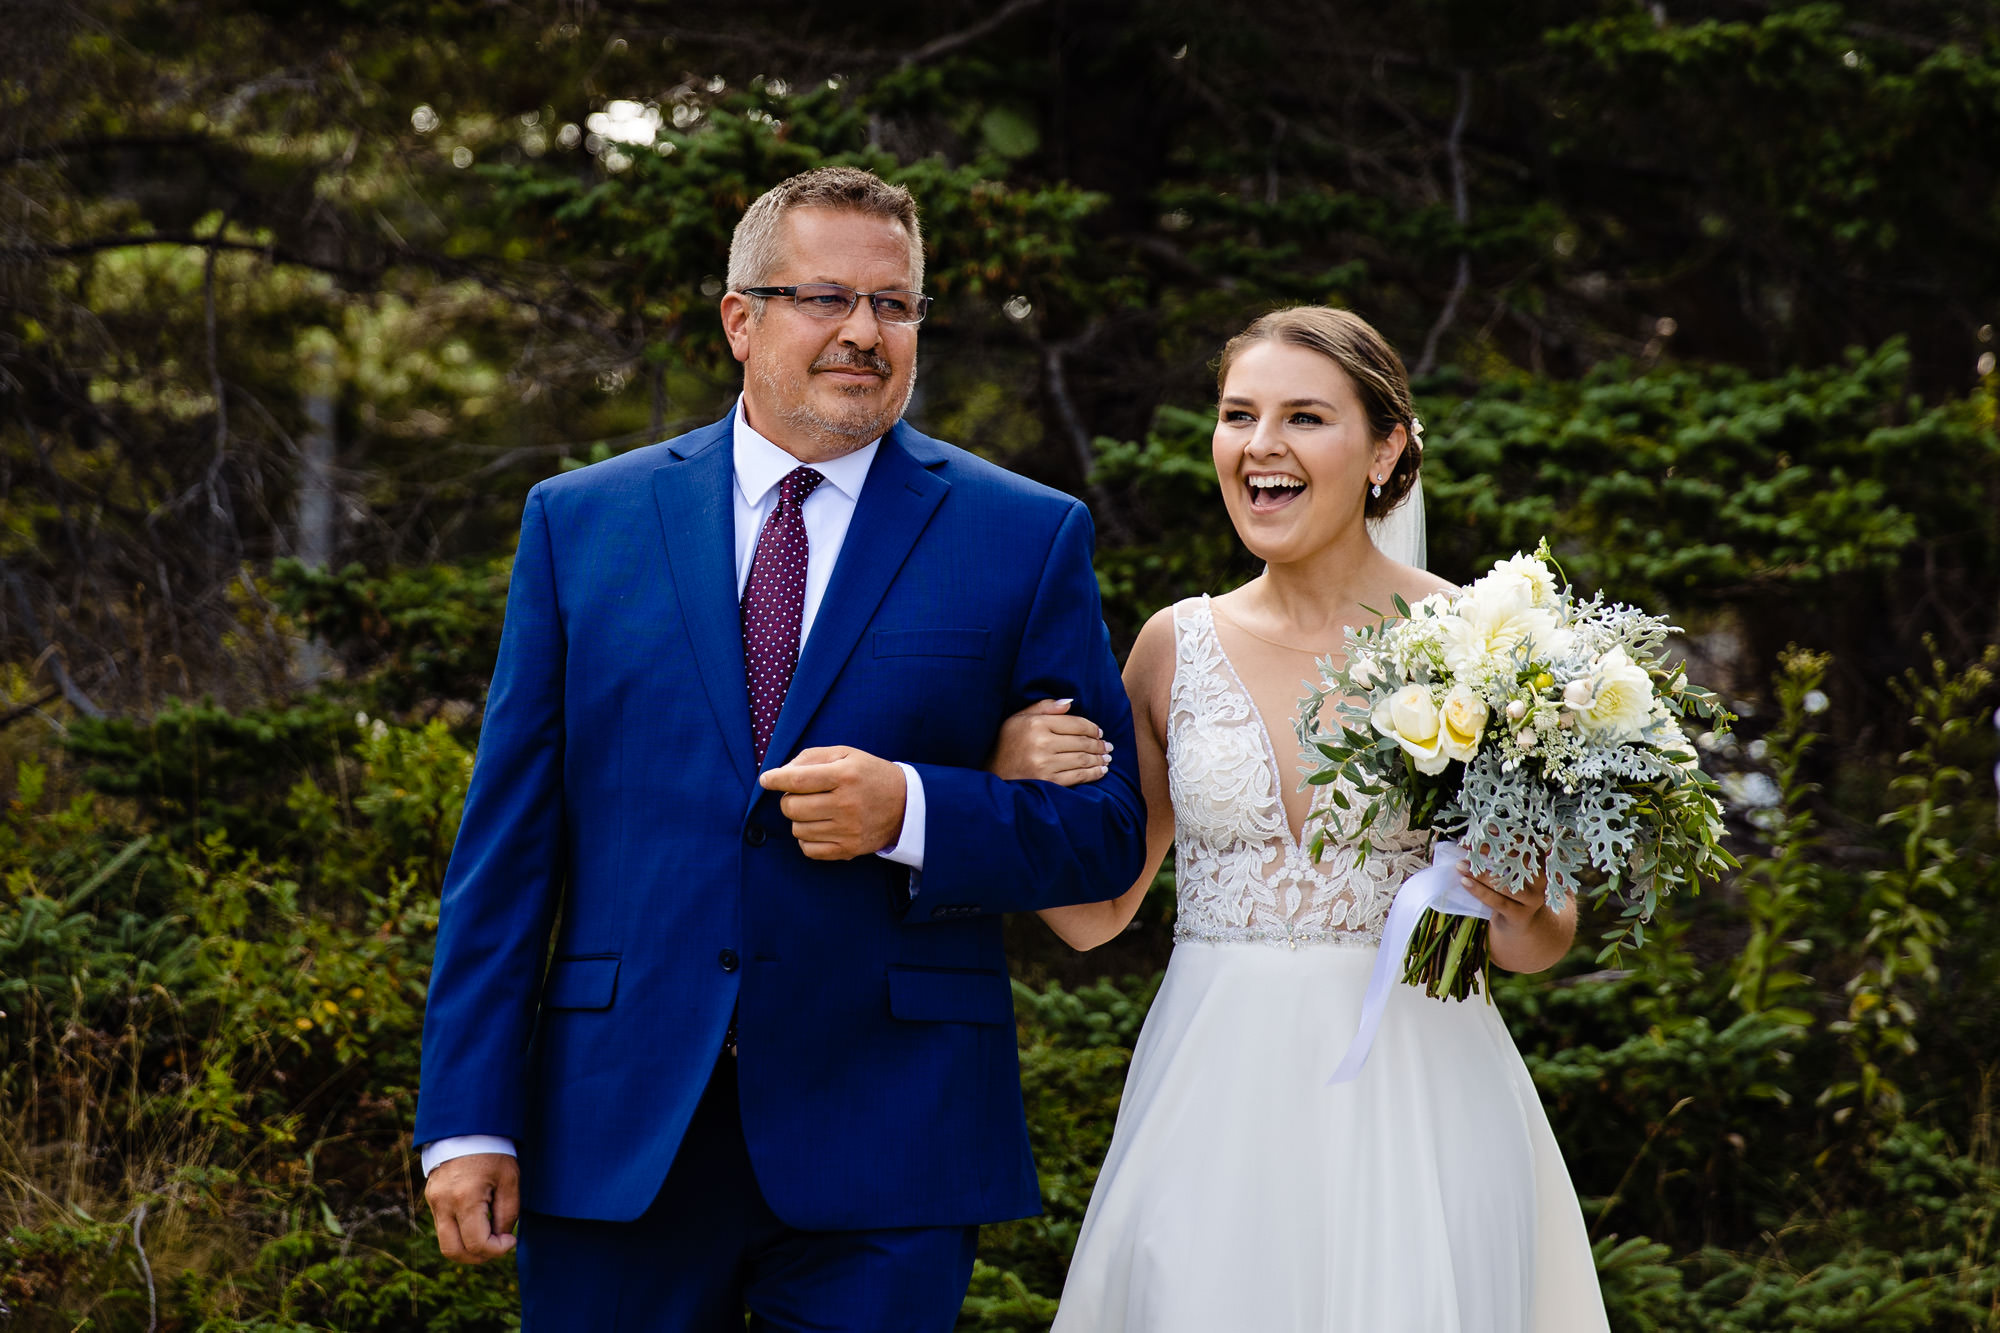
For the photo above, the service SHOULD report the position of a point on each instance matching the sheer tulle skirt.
(1241, 1194)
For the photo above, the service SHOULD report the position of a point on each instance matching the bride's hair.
(1350, 342)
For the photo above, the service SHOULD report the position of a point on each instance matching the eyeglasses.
(830, 300)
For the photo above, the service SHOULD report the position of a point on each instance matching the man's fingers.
(475, 1201)
(449, 1243)
(811, 808)
(810, 770)
(507, 1208)
(803, 775)
(478, 1241)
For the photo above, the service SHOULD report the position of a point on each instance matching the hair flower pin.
(1417, 430)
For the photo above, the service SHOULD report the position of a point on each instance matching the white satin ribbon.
(1435, 886)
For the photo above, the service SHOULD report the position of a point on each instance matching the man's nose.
(861, 329)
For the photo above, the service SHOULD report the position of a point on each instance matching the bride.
(1241, 1192)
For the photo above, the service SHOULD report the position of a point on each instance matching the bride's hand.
(1527, 935)
(1512, 912)
(1044, 742)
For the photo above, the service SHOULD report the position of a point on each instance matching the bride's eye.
(1236, 414)
(1306, 419)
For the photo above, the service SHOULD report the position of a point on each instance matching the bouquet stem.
(1448, 956)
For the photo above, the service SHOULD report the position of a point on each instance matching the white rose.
(1577, 695)
(1496, 596)
(1362, 671)
(1487, 629)
(1436, 604)
(1517, 709)
(1464, 717)
(1532, 573)
(1412, 719)
(1622, 701)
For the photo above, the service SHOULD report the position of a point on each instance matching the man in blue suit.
(720, 952)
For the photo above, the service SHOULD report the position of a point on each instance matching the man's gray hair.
(757, 249)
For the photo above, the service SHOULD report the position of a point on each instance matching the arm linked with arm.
(1149, 674)
(997, 846)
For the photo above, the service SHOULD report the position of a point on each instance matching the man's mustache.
(870, 362)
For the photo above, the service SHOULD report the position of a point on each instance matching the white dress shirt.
(759, 466)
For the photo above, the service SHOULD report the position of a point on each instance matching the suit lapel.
(895, 506)
(698, 519)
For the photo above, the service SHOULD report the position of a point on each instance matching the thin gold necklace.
(1288, 647)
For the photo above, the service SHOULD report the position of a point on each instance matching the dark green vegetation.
(1699, 291)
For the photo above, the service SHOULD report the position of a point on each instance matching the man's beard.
(843, 432)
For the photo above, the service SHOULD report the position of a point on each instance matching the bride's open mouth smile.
(1272, 491)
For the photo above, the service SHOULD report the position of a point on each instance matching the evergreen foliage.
(226, 1038)
(296, 301)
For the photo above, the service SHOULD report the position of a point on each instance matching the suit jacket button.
(728, 960)
(754, 835)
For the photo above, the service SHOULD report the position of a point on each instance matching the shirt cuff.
(463, 1145)
(909, 848)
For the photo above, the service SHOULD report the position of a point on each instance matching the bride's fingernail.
(1065, 703)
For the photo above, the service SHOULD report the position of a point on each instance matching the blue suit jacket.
(614, 804)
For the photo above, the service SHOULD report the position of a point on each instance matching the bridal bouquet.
(1540, 730)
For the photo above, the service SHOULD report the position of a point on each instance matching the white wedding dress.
(1243, 1195)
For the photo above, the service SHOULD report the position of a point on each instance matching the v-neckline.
(1297, 836)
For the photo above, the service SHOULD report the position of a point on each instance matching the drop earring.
(1376, 490)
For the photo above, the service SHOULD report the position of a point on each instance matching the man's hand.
(476, 1200)
(842, 802)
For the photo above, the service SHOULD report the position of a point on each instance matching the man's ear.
(739, 317)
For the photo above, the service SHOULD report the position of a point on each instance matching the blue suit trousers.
(710, 1248)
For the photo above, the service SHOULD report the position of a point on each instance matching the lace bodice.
(1243, 877)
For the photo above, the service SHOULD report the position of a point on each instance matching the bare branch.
(1461, 210)
(131, 240)
(823, 55)
(36, 704)
(116, 143)
(1065, 406)
(953, 41)
(49, 652)
(1055, 377)
(215, 384)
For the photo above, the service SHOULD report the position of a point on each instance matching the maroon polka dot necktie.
(774, 604)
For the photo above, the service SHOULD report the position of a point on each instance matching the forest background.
(297, 299)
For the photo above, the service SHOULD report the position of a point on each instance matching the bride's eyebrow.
(1238, 400)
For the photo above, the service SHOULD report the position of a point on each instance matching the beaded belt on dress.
(1289, 936)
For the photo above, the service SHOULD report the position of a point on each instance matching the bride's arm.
(1149, 678)
(1526, 936)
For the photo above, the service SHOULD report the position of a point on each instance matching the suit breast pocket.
(930, 643)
